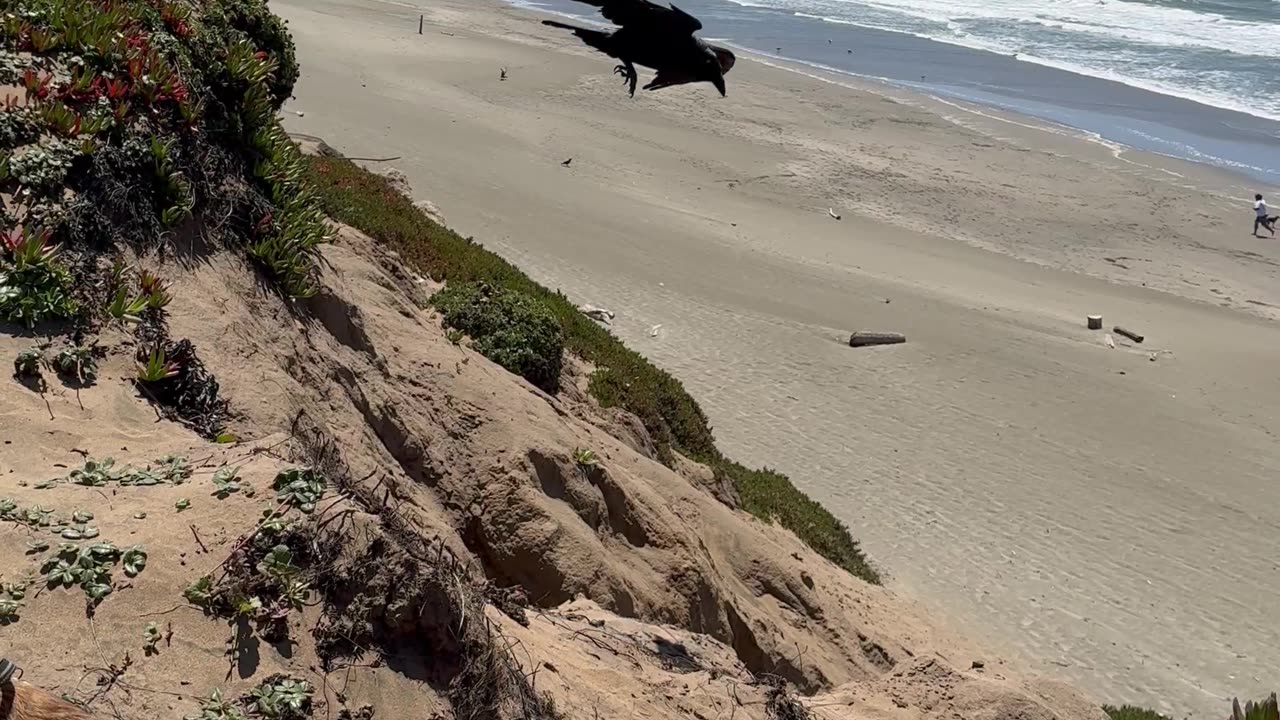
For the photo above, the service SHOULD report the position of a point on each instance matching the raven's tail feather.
(595, 38)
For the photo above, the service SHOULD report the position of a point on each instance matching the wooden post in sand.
(420, 17)
(1094, 322)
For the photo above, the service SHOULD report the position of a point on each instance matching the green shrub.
(28, 362)
(77, 363)
(34, 286)
(513, 329)
(151, 112)
(770, 496)
(18, 127)
(43, 168)
(1132, 712)
(623, 377)
(282, 698)
(36, 294)
(253, 21)
(1268, 709)
(285, 244)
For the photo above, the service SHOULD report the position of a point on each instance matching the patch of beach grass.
(1132, 712)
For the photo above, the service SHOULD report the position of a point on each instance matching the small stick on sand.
(420, 21)
(832, 213)
(200, 542)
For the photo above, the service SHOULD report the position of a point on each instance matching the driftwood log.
(1129, 334)
(867, 339)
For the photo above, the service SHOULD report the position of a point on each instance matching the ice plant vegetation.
(129, 120)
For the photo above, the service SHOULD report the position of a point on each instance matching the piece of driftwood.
(1094, 322)
(604, 315)
(1128, 333)
(866, 339)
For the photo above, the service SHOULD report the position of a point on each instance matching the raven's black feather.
(656, 37)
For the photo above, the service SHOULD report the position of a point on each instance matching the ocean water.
(1224, 53)
(1194, 79)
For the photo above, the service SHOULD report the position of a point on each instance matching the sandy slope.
(1105, 516)
(646, 596)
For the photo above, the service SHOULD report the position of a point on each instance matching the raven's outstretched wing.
(637, 13)
(668, 77)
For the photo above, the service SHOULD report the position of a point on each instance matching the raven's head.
(717, 65)
(708, 70)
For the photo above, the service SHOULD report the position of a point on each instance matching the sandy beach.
(1104, 516)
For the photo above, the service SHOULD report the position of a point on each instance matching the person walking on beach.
(1260, 216)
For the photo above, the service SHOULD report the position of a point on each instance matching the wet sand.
(1087, 512)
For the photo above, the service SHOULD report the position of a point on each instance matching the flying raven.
(656, 37)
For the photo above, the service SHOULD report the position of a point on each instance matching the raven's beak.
(719, 83)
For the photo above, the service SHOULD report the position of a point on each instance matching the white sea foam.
(1207, 57)
(1120, 20)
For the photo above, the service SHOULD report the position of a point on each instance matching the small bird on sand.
(655, 37)
(566, 162)
(502, 75)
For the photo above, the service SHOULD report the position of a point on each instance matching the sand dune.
(1099, 515)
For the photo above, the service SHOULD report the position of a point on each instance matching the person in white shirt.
(1260, 216)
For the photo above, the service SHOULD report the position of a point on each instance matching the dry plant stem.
(175, 608)
(200, 542)
(245, 540)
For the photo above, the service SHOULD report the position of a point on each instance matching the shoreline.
(1221, 138)
(979, 112)
(1064, 501)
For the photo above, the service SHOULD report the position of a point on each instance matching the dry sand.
(1099, 516)
(646, 596)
